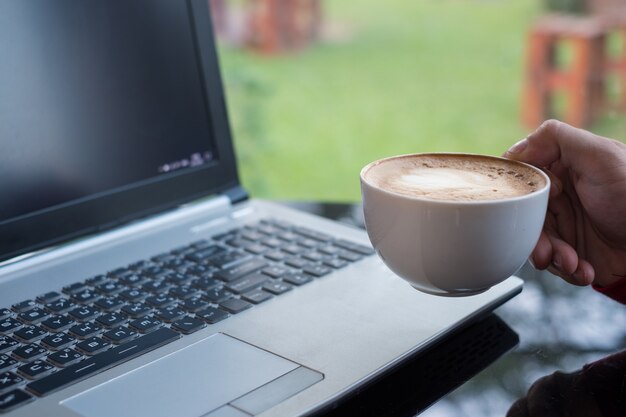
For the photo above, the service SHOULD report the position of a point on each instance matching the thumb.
(553, 141)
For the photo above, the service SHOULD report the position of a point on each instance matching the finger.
(585, 273)
(564, 257)
(541, 257)
(557, 141)
(564, 217)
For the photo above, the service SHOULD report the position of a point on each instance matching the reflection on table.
(561, 328)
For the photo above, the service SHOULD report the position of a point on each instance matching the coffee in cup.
(453, 224)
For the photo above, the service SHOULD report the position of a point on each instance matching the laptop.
(137, 276)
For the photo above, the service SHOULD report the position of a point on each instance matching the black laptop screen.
(110, 110)
(94, 98)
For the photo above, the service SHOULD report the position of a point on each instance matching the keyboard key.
(206, 283)
(110, 288)
(227, 258)
(85, 296)
(316, 256)
(103, 361)
(330, 250)
(188, 325)
(277, 287)
(160, 301)
(65, 357)
(205, 253)
(96, 280)
(176, 278)
(194, 304)
(93, 346)
(133, 280)
(111, 320)
(308, 243)
(256, 248)
(336, 263)
(14, 399)
(133, 295)
(312, 234)
(317, 270)
(212, 315)
(145, 324)
(59, 306)
(35, 369)
(7, 343)
(9, 324)
(24, 306)
(217, 295)
(30, 334)
(276, 255)
(156, 287)
(48, 297)
(84, 313)
(29, 352)
(241, 269)
(349, 256)
(85, 330)
(170, 314)
(298, 262)
(8, 380)
(257, 296)
(247, 283)
(136, 310)
(297, 278)
(33, 316)
(235, 305)
(183, 292)
(361, 249)
(4, 313)
(109, 303)
(74, 288)
(121, 334)
(57, 323)
(293, 249)
(275, 271)
(57, 341)
(7, 363)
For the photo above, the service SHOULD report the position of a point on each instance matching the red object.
(616, 291)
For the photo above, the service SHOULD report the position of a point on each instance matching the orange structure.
(282, 25)
(582, 82)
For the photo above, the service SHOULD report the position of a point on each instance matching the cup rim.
(455, 202)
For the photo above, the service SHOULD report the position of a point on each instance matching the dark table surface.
(551, 326)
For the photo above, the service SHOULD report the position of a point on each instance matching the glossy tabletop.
(550, 327)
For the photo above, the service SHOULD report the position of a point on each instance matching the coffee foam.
(454, 177)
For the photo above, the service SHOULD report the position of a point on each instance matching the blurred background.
(316, 89)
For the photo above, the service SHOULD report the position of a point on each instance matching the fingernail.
(519, 146)
(557, 261)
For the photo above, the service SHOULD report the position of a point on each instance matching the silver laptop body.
(295, 353)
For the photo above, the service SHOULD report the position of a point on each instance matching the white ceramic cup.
(453, 248)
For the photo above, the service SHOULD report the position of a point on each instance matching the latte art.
(454, 177)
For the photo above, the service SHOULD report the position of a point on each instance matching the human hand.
(596, 390)
(584, 235)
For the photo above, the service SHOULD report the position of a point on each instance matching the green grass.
(411, 76)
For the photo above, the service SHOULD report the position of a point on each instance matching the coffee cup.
(453, 224)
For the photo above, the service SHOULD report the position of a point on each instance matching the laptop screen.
(99, 98)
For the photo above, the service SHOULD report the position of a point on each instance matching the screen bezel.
(58, 224)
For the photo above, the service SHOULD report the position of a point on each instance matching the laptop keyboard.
(65, 336)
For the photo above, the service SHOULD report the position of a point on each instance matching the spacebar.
(102, 361)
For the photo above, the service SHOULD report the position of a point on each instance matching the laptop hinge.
(236, 194)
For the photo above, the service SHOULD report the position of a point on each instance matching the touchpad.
(216, 375)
